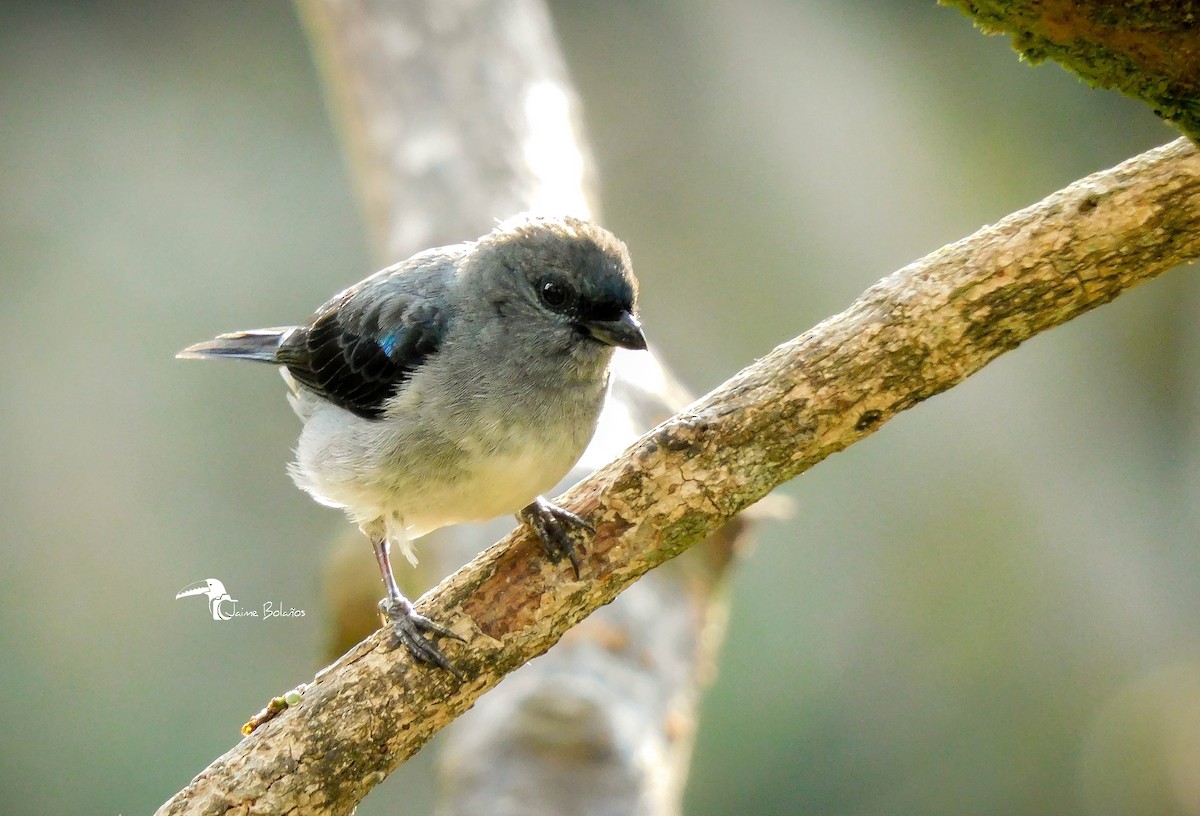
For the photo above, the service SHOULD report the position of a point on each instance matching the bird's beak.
(625, 332)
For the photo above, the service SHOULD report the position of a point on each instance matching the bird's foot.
(409, 627)
(553, 526)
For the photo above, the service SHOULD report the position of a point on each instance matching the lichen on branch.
(1146, 49)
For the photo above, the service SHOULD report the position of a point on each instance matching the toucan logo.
(224, 607)
(217, 598)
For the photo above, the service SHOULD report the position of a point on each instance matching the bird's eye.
(554, 294)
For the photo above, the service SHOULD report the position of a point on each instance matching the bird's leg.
(408, 624)
(552, 523)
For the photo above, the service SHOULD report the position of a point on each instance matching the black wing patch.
(359, 361)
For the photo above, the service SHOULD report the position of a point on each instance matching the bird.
(456, 386)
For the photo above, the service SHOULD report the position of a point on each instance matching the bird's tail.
(255, 344)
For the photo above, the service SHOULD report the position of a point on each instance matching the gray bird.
(456, 386)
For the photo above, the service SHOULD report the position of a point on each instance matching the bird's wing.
(364, 344)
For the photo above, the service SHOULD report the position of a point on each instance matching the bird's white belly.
(496, 486)
(402, 484)
(412, 500)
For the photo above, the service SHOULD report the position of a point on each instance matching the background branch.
(455, 112)
(912, 335)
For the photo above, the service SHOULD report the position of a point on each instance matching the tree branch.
(1147, 50)
(910, 336)
(443, 108)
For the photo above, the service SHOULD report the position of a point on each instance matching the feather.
(346, 356)
(259, 345)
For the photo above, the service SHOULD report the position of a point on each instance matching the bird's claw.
(551, 524)
(409, 627)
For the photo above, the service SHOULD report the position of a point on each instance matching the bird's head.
(566, 279)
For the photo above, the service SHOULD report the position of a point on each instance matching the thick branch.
(910, 336)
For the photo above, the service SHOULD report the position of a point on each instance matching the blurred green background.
(989, 607)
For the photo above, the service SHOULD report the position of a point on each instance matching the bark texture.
(1147, 49)
(910, 336)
